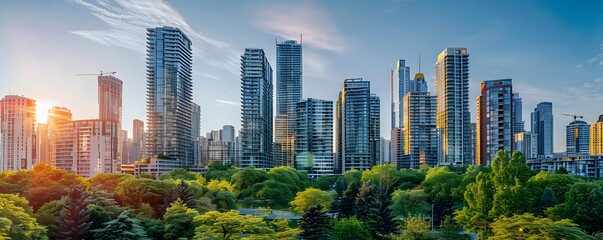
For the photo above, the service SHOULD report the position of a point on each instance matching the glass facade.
(577, 137)
(314, 137)
(256, 110)
(542, 128)
(494, 120)
(169, 96)
(420, 133)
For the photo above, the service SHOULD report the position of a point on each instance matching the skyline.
(336, 47)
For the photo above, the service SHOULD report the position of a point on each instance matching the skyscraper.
(518, 123)
(314, 137)
(494, 120)
(110, 108)
(228, 133)
(256, 110)
(400, 78)
(420, 133)
(56, 115)
(169, 96)
(196, 133)
(43, 146)
(17, 132)
(137, 140)
(452, 116)
(542, 128)
(374, 126)
(525, 143)
(288, 94)
(577, 137)
(596, 137)
(354, 132)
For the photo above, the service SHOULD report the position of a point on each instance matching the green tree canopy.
(584, 206)
(123, 227)
(229, 225)
(16, 221)
(74, 220)
(311, 197)
(349, 228)
(410, 201)
(178, 220)
(527, 226)
(183, 174)
(315, 225)
(247, 177)
(385, 176)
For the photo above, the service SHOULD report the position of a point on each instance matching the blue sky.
(553, 50)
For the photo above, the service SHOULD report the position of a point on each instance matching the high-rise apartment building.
(374, 126)
(314, 137)
(518, 123)
(137, 140)
(109, 98)
(420, 133)
(169, 97)
(400, 78)
(228, 133)
(494, 120)
(17, 133)
(525, 142)
(288, 94)
(596, 137)
(43, 145)
(577, 137)
(542, 128)
(56, 115)
(256, 110)
(196, 133)
(355, 135)
(385, 152)
(452, 117)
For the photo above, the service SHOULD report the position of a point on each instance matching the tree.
(123, 227)
(547, 200)
(441, 182)
(527, 226)
(364, 201)
(178, 221)
(561, 170)
(283, 230)
(311, 197)
(183, 174)
(136, 191)
(102, 209)
(315, 224)
(416, 227)
(348, 201)
(228, 225)
(559, 183)
(380, 219)
(74, 220)
(478, 202)
(349, 228)
(219, 185)
(108, 181)
(183, 192)
(16, 221)
(326, 183)
(152, 226)
(410, 178)
(410, 201)
(584, 206)
(48, 214)
(247, 177)
(352, 176)
(219, 171)
(385, 176)
(450, 231)
(277, 193)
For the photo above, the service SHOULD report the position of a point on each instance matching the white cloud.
(128, 20)
(227, 102)
(289, 22)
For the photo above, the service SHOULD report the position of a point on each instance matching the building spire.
(419, 61)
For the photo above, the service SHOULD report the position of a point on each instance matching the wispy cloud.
(289, 22)
(598, 59)
(227, 102)
(128, 20)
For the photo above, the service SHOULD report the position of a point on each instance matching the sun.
(42, 111)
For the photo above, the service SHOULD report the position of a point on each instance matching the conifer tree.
(74, 220)
(315, 225)
(123, 227)
(348, 201)
(380, 219)
(364, 201)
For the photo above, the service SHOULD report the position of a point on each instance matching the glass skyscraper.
(400, 78)
(542, 128)
(518, 123)
(494, 120)
(420, 133)
(169, 96)
(288, 94)
(577, 137)
(256, 110)
(314, 137)
(357, 127)
(452, 116)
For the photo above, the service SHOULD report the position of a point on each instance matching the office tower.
(228, 133)
(109, 98)
(86, 147)
(397, 146)
(256, 110)
(518, 123)
(420, 133)
(385, 152)
(56, 115)
(494, 120)
(169, 96)
(577, 137)
(355, 135)
(43, 151)
(374, 127)
(137, 140)
(314, 137)
(452, 116)
(123, 153)
(596, 137)
(418, 84)
(288, 93)
(17, 132)
(400, 76)
(525, 143)
(195, 133)
(542, 128)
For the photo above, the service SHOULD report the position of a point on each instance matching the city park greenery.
(503, 201)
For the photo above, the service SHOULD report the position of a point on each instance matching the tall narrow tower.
(452, 114)
(542, 128)
(494, 120)
(17, 132)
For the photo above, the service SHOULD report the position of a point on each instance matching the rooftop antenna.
(301, 39)
(419, 61)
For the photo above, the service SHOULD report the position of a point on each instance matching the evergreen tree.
(348, 201)
(315, 224)
(74, 220)
(123, 227)
(380, 220)
(178, 220)
(183, 191)
(364, 201)
(548, 199)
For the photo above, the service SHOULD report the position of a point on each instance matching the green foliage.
(277, 193)
(348, 200)
(152, 226)
(178, 220)
(385, 176)
(183, 174)
(366, 196)
(123, 227)
(135, 191)
(478, 202)
(380, 219)
(441, 182)
(102, 208)
(315, 225)
(527, 226)
(559, 183)
(352, 176)
(416, 227)
(349, 228)
(410, 201)
(450, 231)
(229, 225)
(108, 181)
(311, 197)
(16, 221)
(74, 220)
(584, 206)
(326, 183)
(561, 170)
(48, 214)
(219, 171)
(247, 177)
(184, 192)
(547, 200)
(411, 178)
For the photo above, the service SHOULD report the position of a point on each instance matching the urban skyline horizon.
(209, 110)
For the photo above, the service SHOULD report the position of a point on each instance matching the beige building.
(17, 133)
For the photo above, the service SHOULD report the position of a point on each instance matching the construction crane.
(574, 116)
(96, 74)
(576, 131)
